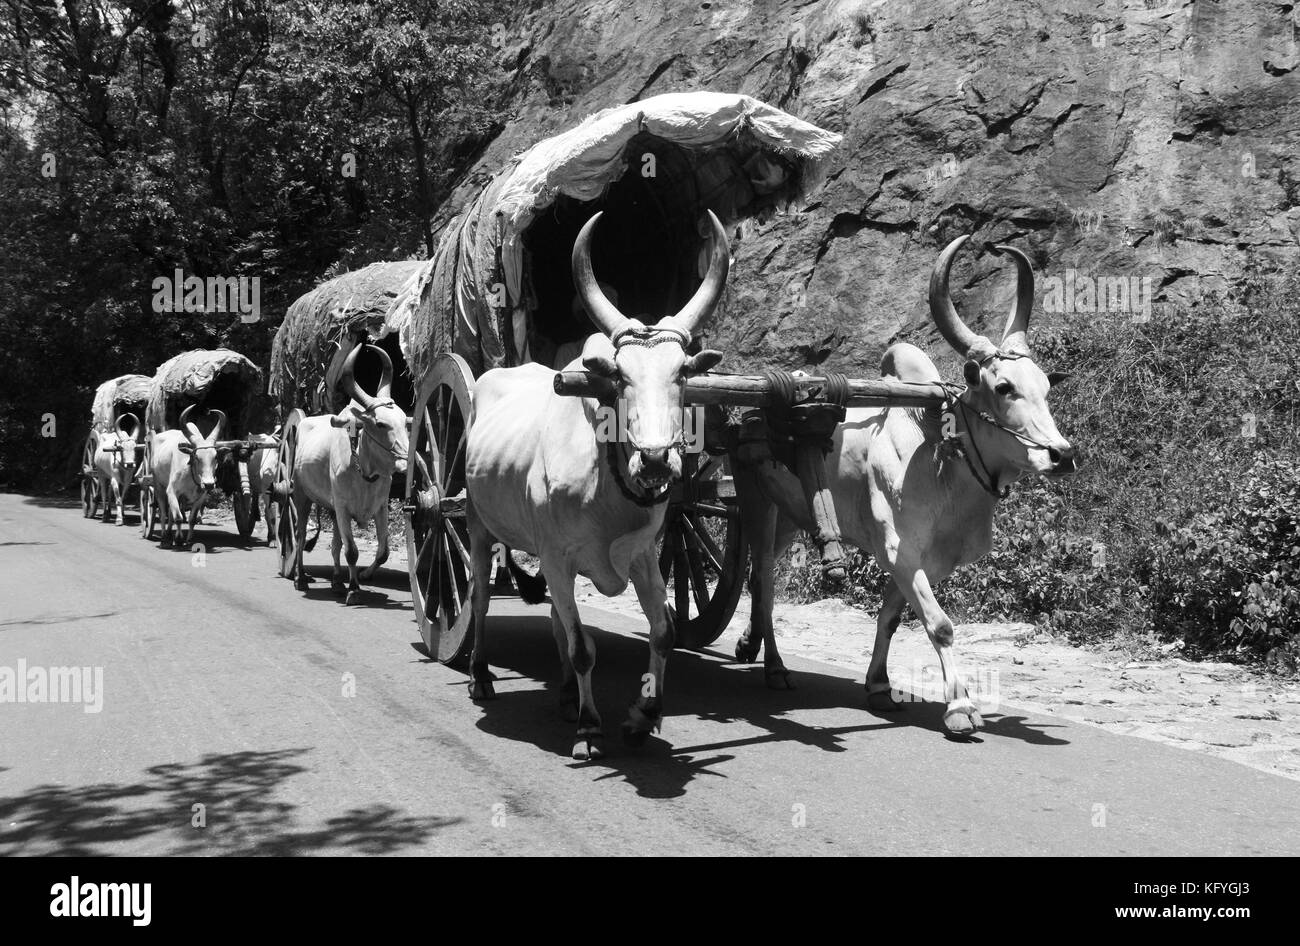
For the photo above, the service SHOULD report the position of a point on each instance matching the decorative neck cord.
(356, 446)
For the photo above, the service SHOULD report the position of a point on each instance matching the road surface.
(240, 716)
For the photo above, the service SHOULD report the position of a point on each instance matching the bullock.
(115, 464)
(540, 479)
(918, 497)
(346, 462)
(185, 469)
(263, 463)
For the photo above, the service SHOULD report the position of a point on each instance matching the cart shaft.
(739, 390)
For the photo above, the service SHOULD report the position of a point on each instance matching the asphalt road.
(224, 688)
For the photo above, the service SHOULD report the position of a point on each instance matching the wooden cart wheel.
(704, 553)
(286, 518)
(437, 538)
(89, 481)
(243, 507)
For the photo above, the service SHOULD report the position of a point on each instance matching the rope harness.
(356, 432)
(643, 337)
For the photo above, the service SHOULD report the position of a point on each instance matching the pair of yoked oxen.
(543, 479)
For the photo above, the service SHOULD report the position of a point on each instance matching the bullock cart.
(209, 383)
(120, 400)
(308, 359)
(501, 293)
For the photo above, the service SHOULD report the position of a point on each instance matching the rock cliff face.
(1129, 146)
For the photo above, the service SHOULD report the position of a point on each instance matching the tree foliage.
(285, 140)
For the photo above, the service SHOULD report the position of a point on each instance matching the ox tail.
(532, 588)
(311, 543)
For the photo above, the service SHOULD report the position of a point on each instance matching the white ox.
(115, 465)
(350, 475)
(540, 479)
(184, 468)
(921, 508)
(263, 462)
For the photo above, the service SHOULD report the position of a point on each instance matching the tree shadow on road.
(704, 685)
(241, 811)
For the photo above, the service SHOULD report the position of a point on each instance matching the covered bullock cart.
(119, 404)
(309, 354)
(217, 386)
(501, 292)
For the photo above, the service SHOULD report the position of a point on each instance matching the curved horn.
(944, 313)
(386, 378)
(349, 381)
(221, 422)
(136, 424)
(701, 305)
(188, 425)
(1015, 337)
(603, 312)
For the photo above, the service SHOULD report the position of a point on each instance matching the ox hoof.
(747, 649)
(588, 747)
(338, 588)
(480, 690)
(639, 725)
(353, 597)
(962, 718)
(778, 678)
(300, 583)
(883, 702)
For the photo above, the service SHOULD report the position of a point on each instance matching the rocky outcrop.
(1148, 141)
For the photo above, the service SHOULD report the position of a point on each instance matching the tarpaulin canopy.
(129, 392)
(500, 291)
(321, 326)
(220, 379)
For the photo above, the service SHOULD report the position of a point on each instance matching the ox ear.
(1057, 377)
(971, 371)
(340, 420)
(187, 448)
(598, 356)
(703, 361)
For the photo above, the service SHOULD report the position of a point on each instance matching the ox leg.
(568, 679)
(879, 692)
(195, 511)
(646, 714)
(381, 536)
(336, 547)
(303, 507)
(106, 496)
(174, 508)
(590, 740)
(118, 490)
(343, 523)
(480, 553)
(961, 717)
(270, 518)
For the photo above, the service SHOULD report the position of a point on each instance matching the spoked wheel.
(148, 497)
(243, 507)
(704, 552)
(89, 482)
(286, 513)
(437, 538)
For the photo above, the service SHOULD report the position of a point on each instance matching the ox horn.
(350, 382)
(221, 423)
(1015, 337)
(188, 425)
(135, 422)
(603, 312)
(386, 377)
(701, 305)
(944, 313)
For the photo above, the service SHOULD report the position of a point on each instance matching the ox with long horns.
(346, 463)
(920, 502)
(542, 477)
(185, 467)
(115, 464)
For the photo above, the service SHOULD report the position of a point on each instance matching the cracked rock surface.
(1136, 138)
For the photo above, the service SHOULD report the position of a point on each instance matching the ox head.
(649, 365)
(381, 420)
(202, 450)
(126, 440)
(1002, 380)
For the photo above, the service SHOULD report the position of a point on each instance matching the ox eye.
(1004, 389)
(380, 425)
